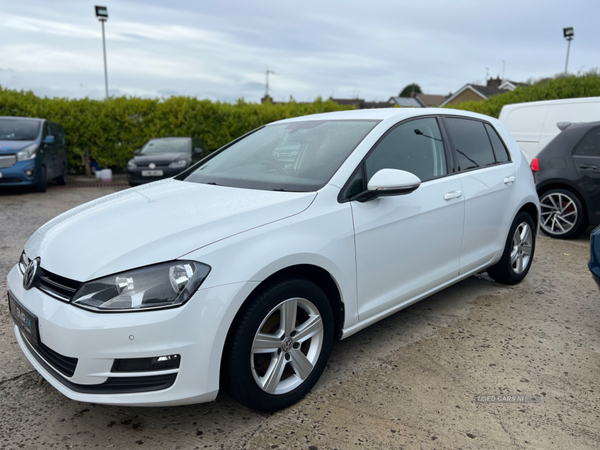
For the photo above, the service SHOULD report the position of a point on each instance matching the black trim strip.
(113, 385)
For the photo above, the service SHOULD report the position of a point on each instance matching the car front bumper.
(193, 331)
(16, 175)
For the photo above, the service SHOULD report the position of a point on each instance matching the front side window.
(297, 156)
(590, 146)
(415, 146)
(471, 143)
(18, 129)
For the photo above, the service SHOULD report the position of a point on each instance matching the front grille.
(7, 161)
(112, 385)
(5, 180)
(62, 364)
(54, 285)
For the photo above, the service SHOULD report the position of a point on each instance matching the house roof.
(406, 102)
(430, 99)
(483, 91)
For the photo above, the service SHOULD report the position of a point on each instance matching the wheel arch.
(531, 209)
(317, 275)
(567, 187)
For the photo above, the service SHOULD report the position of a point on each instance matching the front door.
(409, 244)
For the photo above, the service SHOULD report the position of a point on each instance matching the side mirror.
(137, 152)
(388, 182)
(198, 150)
(49, 140)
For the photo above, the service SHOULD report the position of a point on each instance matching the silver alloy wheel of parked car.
(521, 251)
(287, 346)
(558, 213)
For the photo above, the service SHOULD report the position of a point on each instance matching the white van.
(534, 124)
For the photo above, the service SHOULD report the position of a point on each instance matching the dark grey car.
(567, 173)
(163, 158)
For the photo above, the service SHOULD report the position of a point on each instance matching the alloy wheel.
(287, 346)
(521, 248)
(559, 213)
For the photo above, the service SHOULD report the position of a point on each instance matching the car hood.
(159, 158)
(10, 147)
(157, 222)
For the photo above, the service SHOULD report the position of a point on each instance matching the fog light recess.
(147, 364)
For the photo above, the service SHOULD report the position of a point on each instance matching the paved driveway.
(409, 381)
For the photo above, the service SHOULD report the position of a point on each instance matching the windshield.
(296, 156)
(18, 129)
(166, 145)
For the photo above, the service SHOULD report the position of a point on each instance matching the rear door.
(586, 157)
(488, 178)
(409, 244)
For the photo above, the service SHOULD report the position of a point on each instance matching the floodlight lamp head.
(568, 33)
(101, 13)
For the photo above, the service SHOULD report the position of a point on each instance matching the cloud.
(220, 50)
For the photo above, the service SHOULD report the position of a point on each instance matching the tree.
(408, 90)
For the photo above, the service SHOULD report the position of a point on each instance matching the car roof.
(34, 119)
(384, 114)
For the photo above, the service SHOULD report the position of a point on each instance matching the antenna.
(503, 67)
(267, 72)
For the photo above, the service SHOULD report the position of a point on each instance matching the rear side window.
(471, 143)
(414, 146)
(497, 144)
(590, 146)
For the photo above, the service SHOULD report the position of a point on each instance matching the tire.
(40, 185)
(563, 216)
(62, 179)
(518, 252)
(277, 368)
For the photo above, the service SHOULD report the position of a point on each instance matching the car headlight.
(131, 165)
(178, 164)
(159, 286)
(27, 153)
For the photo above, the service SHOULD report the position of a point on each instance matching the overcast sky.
(342, 48)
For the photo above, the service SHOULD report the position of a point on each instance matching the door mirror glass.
(393, 182)
(49, 139)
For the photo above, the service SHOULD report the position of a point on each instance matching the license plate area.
(25, 320)
(152, 173)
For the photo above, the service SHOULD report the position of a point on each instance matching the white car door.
(487, 177)
(408, 244)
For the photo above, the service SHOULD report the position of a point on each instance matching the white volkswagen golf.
(243, 270)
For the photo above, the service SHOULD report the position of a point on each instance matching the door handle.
(509, 180)
(452, 194)
(588, 166)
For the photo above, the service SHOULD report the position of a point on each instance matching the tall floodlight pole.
(102, 15)
(267, 72)
(568, 34)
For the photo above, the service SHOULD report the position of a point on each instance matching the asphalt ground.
(422, 378)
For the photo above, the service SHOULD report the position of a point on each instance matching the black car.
(164, 158)
(567, 173)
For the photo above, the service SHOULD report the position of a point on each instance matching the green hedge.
(587, 85)
(111, 130)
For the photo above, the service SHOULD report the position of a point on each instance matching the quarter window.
(471, 143)
(499, 148)
(414, 146)
(590, 146)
